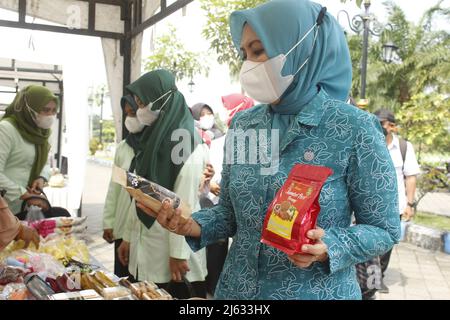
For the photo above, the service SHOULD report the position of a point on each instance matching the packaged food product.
(115, 292)
(149, 193)
(15, 291)
(146, 290)
(104, 279)
(10, 274)
(295, 209)
(78, 295)
(38, 287)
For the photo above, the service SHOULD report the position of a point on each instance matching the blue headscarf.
(280, 24)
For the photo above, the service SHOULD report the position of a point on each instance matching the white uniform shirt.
(411, 168)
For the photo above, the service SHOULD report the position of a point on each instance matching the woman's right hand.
(169, 219)
(108, 235)
(28, 235)
(124, 252)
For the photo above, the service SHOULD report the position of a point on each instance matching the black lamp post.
(368, 24)
(102, 94)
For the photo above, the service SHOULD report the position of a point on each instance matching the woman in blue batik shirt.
(297, 63)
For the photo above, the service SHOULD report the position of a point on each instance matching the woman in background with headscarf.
(205, 122)
(152, 252)
(118, 202)
(297, 63)
(24, 147)
(217, 252)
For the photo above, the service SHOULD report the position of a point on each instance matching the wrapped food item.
(65, 248)
(59, 225)
(146, 290)
(38, 287)
(10, 274)
(149, 193)
(79, 295)
(104, 279)
(295, 209)
(115, 292)
(15, 291)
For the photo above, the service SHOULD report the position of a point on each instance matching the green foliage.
(108, 131)
(424, 119)
(432, 220)
(217, 30)
(416, 85)
(358, 2)
(93, 146)
(434, 178)
(171, 54)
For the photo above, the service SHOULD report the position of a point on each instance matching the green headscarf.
(154, 161)
(20, 117)
(132, 139)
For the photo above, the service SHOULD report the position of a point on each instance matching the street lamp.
(368, 24)
(191, 85)
(389, 50)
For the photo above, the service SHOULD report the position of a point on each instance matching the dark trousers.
(384, 261)
(119, 269)
(216, 254)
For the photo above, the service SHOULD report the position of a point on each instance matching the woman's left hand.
(38, 185)
(311, 252)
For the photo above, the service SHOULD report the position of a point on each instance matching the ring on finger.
(172, 229)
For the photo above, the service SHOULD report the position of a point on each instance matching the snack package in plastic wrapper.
(149, 193)
(37, 286)
(80, 295)
(295, 209)
(60, 225)
(146, 290)
(11, 274)
(61, 247)
(15, 291)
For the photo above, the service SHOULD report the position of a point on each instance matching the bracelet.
(4, 208)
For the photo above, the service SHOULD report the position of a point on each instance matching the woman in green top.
(25, 130)
(118, 201)
(150, 251)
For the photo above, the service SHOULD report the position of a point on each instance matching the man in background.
(407, 169)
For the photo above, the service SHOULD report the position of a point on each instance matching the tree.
(171, 54)
(217, 30)
(416, 85)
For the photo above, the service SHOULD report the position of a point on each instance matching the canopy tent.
(119, 23)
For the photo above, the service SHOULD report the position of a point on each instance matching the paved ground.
(96, 187)
(417, 274)
(414, 273)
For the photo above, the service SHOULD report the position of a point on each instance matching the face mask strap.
(316, 28)
(310, 53)
(165, 102)
(165, 94)
(301, 40)
(33, 113)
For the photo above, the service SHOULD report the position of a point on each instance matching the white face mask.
(146, 115)
(207, 122)
(263, 80)
(43, 122)
(133, 125)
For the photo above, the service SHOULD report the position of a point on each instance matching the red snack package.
(295, 209)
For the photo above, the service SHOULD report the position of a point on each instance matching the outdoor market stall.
(63, 269)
